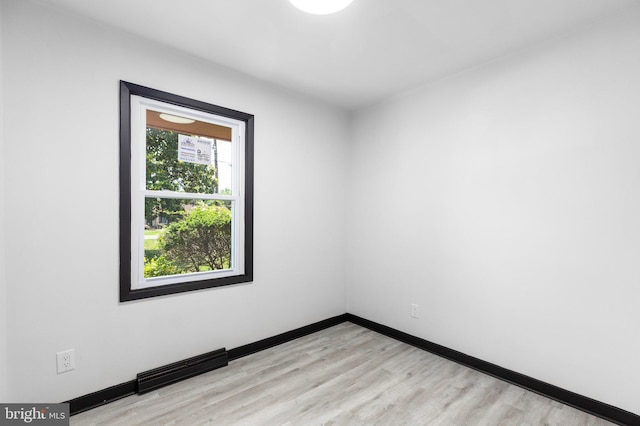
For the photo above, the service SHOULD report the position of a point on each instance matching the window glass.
(186, 236)
(183, 155)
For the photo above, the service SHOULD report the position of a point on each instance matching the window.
(186, 194)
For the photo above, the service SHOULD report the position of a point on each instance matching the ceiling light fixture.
(320, 7)
(176, 119)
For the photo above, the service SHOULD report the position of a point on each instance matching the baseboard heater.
(172, 373)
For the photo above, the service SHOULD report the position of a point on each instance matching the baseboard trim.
(102, 397)
(591, 406)
(583, 403)
(114, 393)
(270, 342)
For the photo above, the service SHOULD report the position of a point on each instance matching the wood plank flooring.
(344, 375)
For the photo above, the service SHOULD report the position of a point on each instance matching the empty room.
(266, 212)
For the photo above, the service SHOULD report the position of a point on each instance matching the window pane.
(186, 155)
(185, 236)
(224, 166)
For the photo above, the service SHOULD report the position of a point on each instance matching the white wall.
(3, 310)
(505, 202)
(61, 93)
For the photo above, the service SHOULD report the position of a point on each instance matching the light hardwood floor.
(344, 375)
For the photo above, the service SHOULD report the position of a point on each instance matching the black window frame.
(126, 292)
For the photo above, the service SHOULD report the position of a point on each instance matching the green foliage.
(164, 171)
(151, 244)
(159, 267)
(201, 239)
(152, 253)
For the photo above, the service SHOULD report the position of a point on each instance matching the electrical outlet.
(415, 311)
(66, 360)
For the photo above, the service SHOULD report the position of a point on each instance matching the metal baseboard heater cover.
(172, 373)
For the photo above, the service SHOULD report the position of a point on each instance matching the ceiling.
(369, 51)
